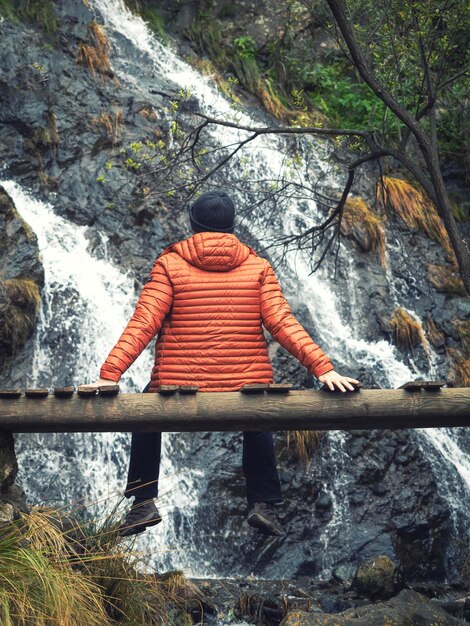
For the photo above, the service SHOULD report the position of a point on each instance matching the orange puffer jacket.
(208, 296)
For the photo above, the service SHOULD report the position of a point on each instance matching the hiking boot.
(143, 513)
(263, 516)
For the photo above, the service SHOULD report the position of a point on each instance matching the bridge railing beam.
(237, 411)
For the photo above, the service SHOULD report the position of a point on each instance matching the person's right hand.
(101, 382)
(332, 378)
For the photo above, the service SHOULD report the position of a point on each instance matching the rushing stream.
(87, 302)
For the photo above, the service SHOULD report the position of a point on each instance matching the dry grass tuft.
(95, 55)
(305, 442)
(408, 332)
(38, 585)
(207, 68)
(416, 210)
(249, 74)
(19, 302)
(360, 222)
(56, 570)
(112, 122)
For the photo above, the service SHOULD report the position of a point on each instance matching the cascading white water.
(102, 308)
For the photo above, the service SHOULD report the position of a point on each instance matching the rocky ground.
(373, 597)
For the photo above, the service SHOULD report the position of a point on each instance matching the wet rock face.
(19, 254)
(60, 127)
(21, 279)
(374, 513)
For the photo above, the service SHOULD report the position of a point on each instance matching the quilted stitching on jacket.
(208, 297)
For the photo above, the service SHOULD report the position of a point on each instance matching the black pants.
(259, 466)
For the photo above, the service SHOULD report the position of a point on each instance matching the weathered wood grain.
(236, 411)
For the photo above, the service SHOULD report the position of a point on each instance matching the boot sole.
(264, 526)
(139, 527)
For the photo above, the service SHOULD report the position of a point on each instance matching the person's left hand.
(332, 378)
(101, 382)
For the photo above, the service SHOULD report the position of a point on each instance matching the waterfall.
(337, 336)
(87, 304)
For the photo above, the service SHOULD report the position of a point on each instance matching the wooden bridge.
(418, 404)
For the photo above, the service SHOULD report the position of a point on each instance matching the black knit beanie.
(213, 210)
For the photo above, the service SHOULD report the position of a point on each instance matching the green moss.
(154, 18)
(6, 10)
(40, 12)
(241, 57)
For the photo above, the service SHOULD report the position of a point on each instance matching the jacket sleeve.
(153, 305)
(279, 320)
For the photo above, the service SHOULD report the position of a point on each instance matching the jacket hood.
(212, 251)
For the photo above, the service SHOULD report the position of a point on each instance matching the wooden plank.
(36, 393)
(87, 392)
(279, 387)
(63, 392)
(234, 411)
(167, 390)
(109, 390)
(188, 389)
(10, 393)
(429, 385)
(254, 388)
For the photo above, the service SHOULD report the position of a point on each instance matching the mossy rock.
(377, 577)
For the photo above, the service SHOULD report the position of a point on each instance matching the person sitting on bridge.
(207, 296)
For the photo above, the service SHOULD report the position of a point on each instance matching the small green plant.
(101, 178)
(174, 128)
(136, 146)
(131, 164)
(245, 46)
(298, 99)
(184, 93)
(41, 12)
(6, 10)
